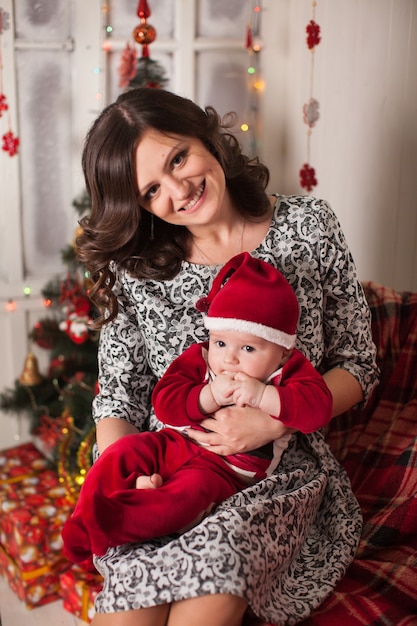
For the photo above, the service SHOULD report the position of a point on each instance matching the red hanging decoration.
(144, 34)
(10, 143)
(127, 68)
(3, 103)
(249, 38)
(143, 10)
(308, 178)
(313, 34)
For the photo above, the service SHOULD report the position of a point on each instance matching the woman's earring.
(152, 236)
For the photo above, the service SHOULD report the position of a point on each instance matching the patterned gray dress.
(283, 543)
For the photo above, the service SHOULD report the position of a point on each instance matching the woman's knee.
(211, 610)
(152, 616)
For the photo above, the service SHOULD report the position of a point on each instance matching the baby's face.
(233, 351)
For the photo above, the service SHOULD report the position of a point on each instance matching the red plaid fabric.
(378, 448)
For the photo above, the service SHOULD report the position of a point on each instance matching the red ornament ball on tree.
(144, 34)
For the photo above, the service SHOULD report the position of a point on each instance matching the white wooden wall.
(364, 146)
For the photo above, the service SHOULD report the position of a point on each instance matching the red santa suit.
(110, 511)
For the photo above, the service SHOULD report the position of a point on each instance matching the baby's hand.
(222, 388)
(249, 391)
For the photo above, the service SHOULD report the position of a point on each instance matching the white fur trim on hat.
(253, 328)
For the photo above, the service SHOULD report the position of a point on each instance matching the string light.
(255, 83)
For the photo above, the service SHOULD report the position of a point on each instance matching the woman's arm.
(345, 389)
(109, 429)
(122, 405)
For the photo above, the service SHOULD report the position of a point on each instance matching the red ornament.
(10, 143)
(40, 339)
(127, 67)
(143, 10)
(313, 34)
(3, 103)
(50, 430)
(144, 34)
(249, 38)
(308, 177)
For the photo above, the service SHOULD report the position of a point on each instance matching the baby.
(157, 483)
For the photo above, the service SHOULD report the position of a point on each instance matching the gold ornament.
(30, 376)
(68, 475)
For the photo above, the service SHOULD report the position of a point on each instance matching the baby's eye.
(220, 344)
(248, 349)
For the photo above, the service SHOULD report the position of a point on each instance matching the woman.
(173, 199)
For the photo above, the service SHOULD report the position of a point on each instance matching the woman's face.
(179, 180)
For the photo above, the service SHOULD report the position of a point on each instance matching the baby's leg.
(149, 482)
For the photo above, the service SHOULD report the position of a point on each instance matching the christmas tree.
(58, 403)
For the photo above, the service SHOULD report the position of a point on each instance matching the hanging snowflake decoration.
(10, 143)
(308, 177)
(4, 20)
(311, 112)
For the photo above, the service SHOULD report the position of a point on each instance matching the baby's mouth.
(195, 199)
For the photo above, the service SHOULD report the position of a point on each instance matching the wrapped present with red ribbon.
(33, 587)
(33, 513)
(21, 461)
(79, 588)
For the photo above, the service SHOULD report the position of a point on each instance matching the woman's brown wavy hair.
(118, 229)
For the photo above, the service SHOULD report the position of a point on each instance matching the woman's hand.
(238, 429)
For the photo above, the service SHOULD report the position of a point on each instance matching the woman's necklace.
(206, 259)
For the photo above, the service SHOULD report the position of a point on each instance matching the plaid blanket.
(378, 448)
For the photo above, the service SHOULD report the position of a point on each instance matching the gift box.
(19, 462)
(33, 587)
(33, 513)
(79, 588)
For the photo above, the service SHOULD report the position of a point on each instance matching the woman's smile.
(192, 203)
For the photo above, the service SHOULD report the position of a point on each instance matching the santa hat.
(251, 296)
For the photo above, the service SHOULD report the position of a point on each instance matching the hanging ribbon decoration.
(10, 142)
(308, 178)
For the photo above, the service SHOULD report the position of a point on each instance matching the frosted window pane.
(123, 18)
(43, 20)
(222, 82)
(164, 60)
(45, 128)
(220, 18)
